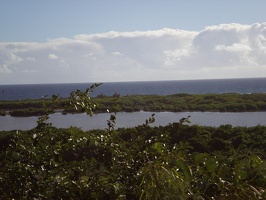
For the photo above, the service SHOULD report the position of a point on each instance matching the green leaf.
(210, 165)
(200, 157)
(224, 170)
(158, 146)
(185, 169)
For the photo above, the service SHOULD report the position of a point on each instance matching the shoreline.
(181, 102)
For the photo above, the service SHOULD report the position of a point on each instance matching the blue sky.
(80, 41)
(35, 20)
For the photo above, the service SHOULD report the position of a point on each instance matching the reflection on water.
(99, 121)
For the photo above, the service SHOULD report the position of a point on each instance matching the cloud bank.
(222, 51)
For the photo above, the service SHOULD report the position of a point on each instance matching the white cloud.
(52, 56)
(4, 69)
(30, 59)
(222, 51)
(117, 53)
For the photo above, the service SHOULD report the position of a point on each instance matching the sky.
(67, 41)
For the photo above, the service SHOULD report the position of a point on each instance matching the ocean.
(216, 86)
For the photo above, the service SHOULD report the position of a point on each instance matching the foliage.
(81, 101)
(177, 161)
(2, 113)
(135, 163)
(131, 103)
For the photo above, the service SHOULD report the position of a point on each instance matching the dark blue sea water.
(218, 86)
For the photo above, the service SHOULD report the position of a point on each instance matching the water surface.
(99, 121)
(216, 86)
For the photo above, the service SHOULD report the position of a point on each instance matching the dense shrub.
(175, 103)
(30, 112)
(2, 113)
(177, 161)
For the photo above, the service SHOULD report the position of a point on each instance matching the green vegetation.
(173, 103)
(187, 102)
(177, 161)
(2, 113)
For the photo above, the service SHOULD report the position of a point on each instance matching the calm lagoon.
(99, 121)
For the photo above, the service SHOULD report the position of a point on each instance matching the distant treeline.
(229, 102)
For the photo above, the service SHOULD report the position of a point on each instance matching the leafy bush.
(2, 113)
(175, 103)
(177, 161)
